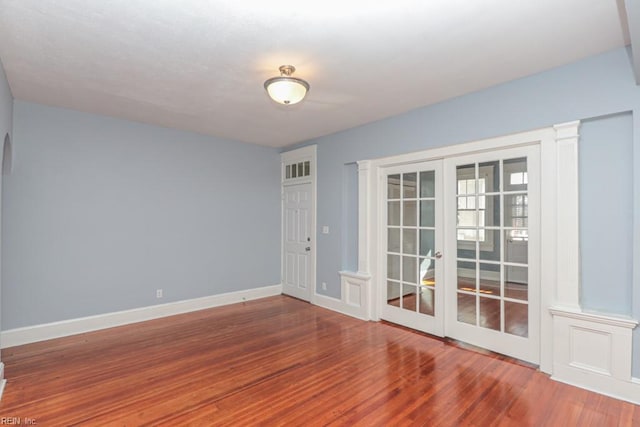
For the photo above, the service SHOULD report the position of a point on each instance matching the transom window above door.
(297, 170)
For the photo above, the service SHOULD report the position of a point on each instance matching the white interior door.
(492, 231)
(413, 293)
(297, 241)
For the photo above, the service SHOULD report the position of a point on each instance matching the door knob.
(438, 255)
(308, 248)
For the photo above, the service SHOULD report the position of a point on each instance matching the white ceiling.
(199, 65)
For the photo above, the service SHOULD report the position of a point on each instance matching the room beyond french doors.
(461, 246)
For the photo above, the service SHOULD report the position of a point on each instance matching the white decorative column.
(356, 286)
(590, 350)
(567, 225)
(364, 216)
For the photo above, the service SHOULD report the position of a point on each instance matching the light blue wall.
(6, 106)
(101, 212)
(594, 87)
(606, 213)
(636, 237)
(6, 127)
(349, 220)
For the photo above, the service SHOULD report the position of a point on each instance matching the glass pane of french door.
(413, 229)
(492, 242)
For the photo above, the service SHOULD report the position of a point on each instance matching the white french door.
(297, 223)
(462, 249)
(413, 241)
(493, 247)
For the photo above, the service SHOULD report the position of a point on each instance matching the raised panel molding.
(593, 351)
(590, 349)
(355, 292)
(355, 296)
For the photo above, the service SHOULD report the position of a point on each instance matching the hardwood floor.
(516, 314)
(280, 361)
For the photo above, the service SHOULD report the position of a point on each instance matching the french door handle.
(308, 248)
(438, 255)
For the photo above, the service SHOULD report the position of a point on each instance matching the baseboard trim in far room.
(42, 332)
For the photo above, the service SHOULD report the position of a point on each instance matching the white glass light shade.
(286, 90)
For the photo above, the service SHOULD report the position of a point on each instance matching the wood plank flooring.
(280, 361)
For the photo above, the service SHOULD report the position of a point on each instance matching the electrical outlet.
(159, 293)
(324, 286)
(325, 229)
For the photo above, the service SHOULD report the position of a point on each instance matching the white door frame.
(304, 154)
(559, 227)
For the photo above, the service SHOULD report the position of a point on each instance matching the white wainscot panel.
(355, 296)
(593, 351)
(355, 293)
(590, 349)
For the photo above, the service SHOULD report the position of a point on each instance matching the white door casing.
(298, 188)
(407, 297)
(372, 228)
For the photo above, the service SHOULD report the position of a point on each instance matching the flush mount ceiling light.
(285, 89)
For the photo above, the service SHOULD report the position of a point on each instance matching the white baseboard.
(628, 391)
(335, 304)
(30, 334)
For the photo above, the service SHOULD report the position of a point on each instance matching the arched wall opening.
(7, 155)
